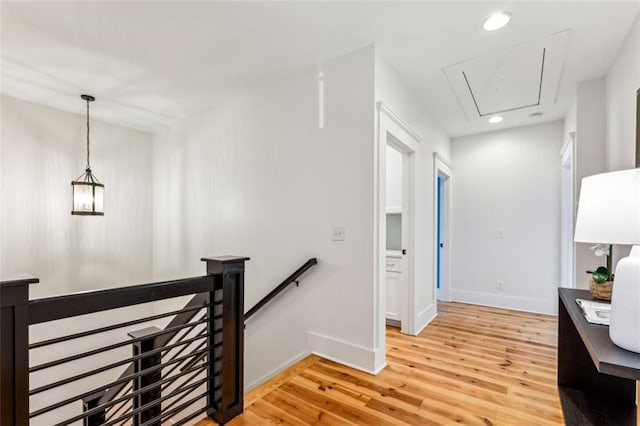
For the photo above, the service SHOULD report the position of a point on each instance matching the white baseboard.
(425, 317)
(279, 369)
(364, 359)
(527, 304)
(355, 356)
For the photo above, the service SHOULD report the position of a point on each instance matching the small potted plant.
(601, 283)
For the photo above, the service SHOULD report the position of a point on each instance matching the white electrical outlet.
(500, 285)
(338, 233)
(500, 233)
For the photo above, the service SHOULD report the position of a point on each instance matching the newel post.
(226, 342)
(14, 350)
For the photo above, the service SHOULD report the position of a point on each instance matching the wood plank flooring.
(472, 365)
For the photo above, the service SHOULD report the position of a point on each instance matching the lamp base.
(624, 329)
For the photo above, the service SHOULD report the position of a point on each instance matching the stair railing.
(293, 278)
(167, 364)
(155, 382)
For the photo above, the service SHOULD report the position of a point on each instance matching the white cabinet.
(394, 284)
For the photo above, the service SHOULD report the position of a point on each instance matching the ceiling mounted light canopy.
(496, 21)
(88, 192)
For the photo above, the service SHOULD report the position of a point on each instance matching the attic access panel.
(512, 81)
(520, 77)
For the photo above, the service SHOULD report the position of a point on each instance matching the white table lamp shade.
(609, 208)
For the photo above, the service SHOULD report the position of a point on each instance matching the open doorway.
(394, 276)
(396, 226)
(392, 133)
(442, 228)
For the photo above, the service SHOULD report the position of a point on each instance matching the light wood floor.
(471, 365)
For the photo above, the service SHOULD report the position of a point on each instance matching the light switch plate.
(338, 233)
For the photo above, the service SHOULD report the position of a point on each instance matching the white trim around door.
(392, 130)
(442, 167)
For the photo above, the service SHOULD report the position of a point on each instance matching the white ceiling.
(152, 63)
(513, 82)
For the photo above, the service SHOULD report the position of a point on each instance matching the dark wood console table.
(596, 379)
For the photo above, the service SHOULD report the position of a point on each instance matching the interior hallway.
(471, 365)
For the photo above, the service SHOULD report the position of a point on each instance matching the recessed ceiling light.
(536, 114)
(496, 21)
(495, 119)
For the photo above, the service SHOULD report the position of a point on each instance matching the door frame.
(406, 310)
(442, 167)
(391, 129)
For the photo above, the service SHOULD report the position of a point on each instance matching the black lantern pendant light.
(88, 192)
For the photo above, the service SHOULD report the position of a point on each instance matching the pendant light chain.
(88, 145)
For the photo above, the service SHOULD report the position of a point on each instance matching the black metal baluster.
(89, 403)
(145, 380)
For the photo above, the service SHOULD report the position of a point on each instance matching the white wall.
(508, 180)
(603, 117)
(569, 206)
(390, 89)
(257, 177)
(622, 82)
(570, 119)
(42, 151)
(591, 154)
(587, 118)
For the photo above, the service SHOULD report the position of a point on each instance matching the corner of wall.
(355, 356)
(424, 318)
(277, 370)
